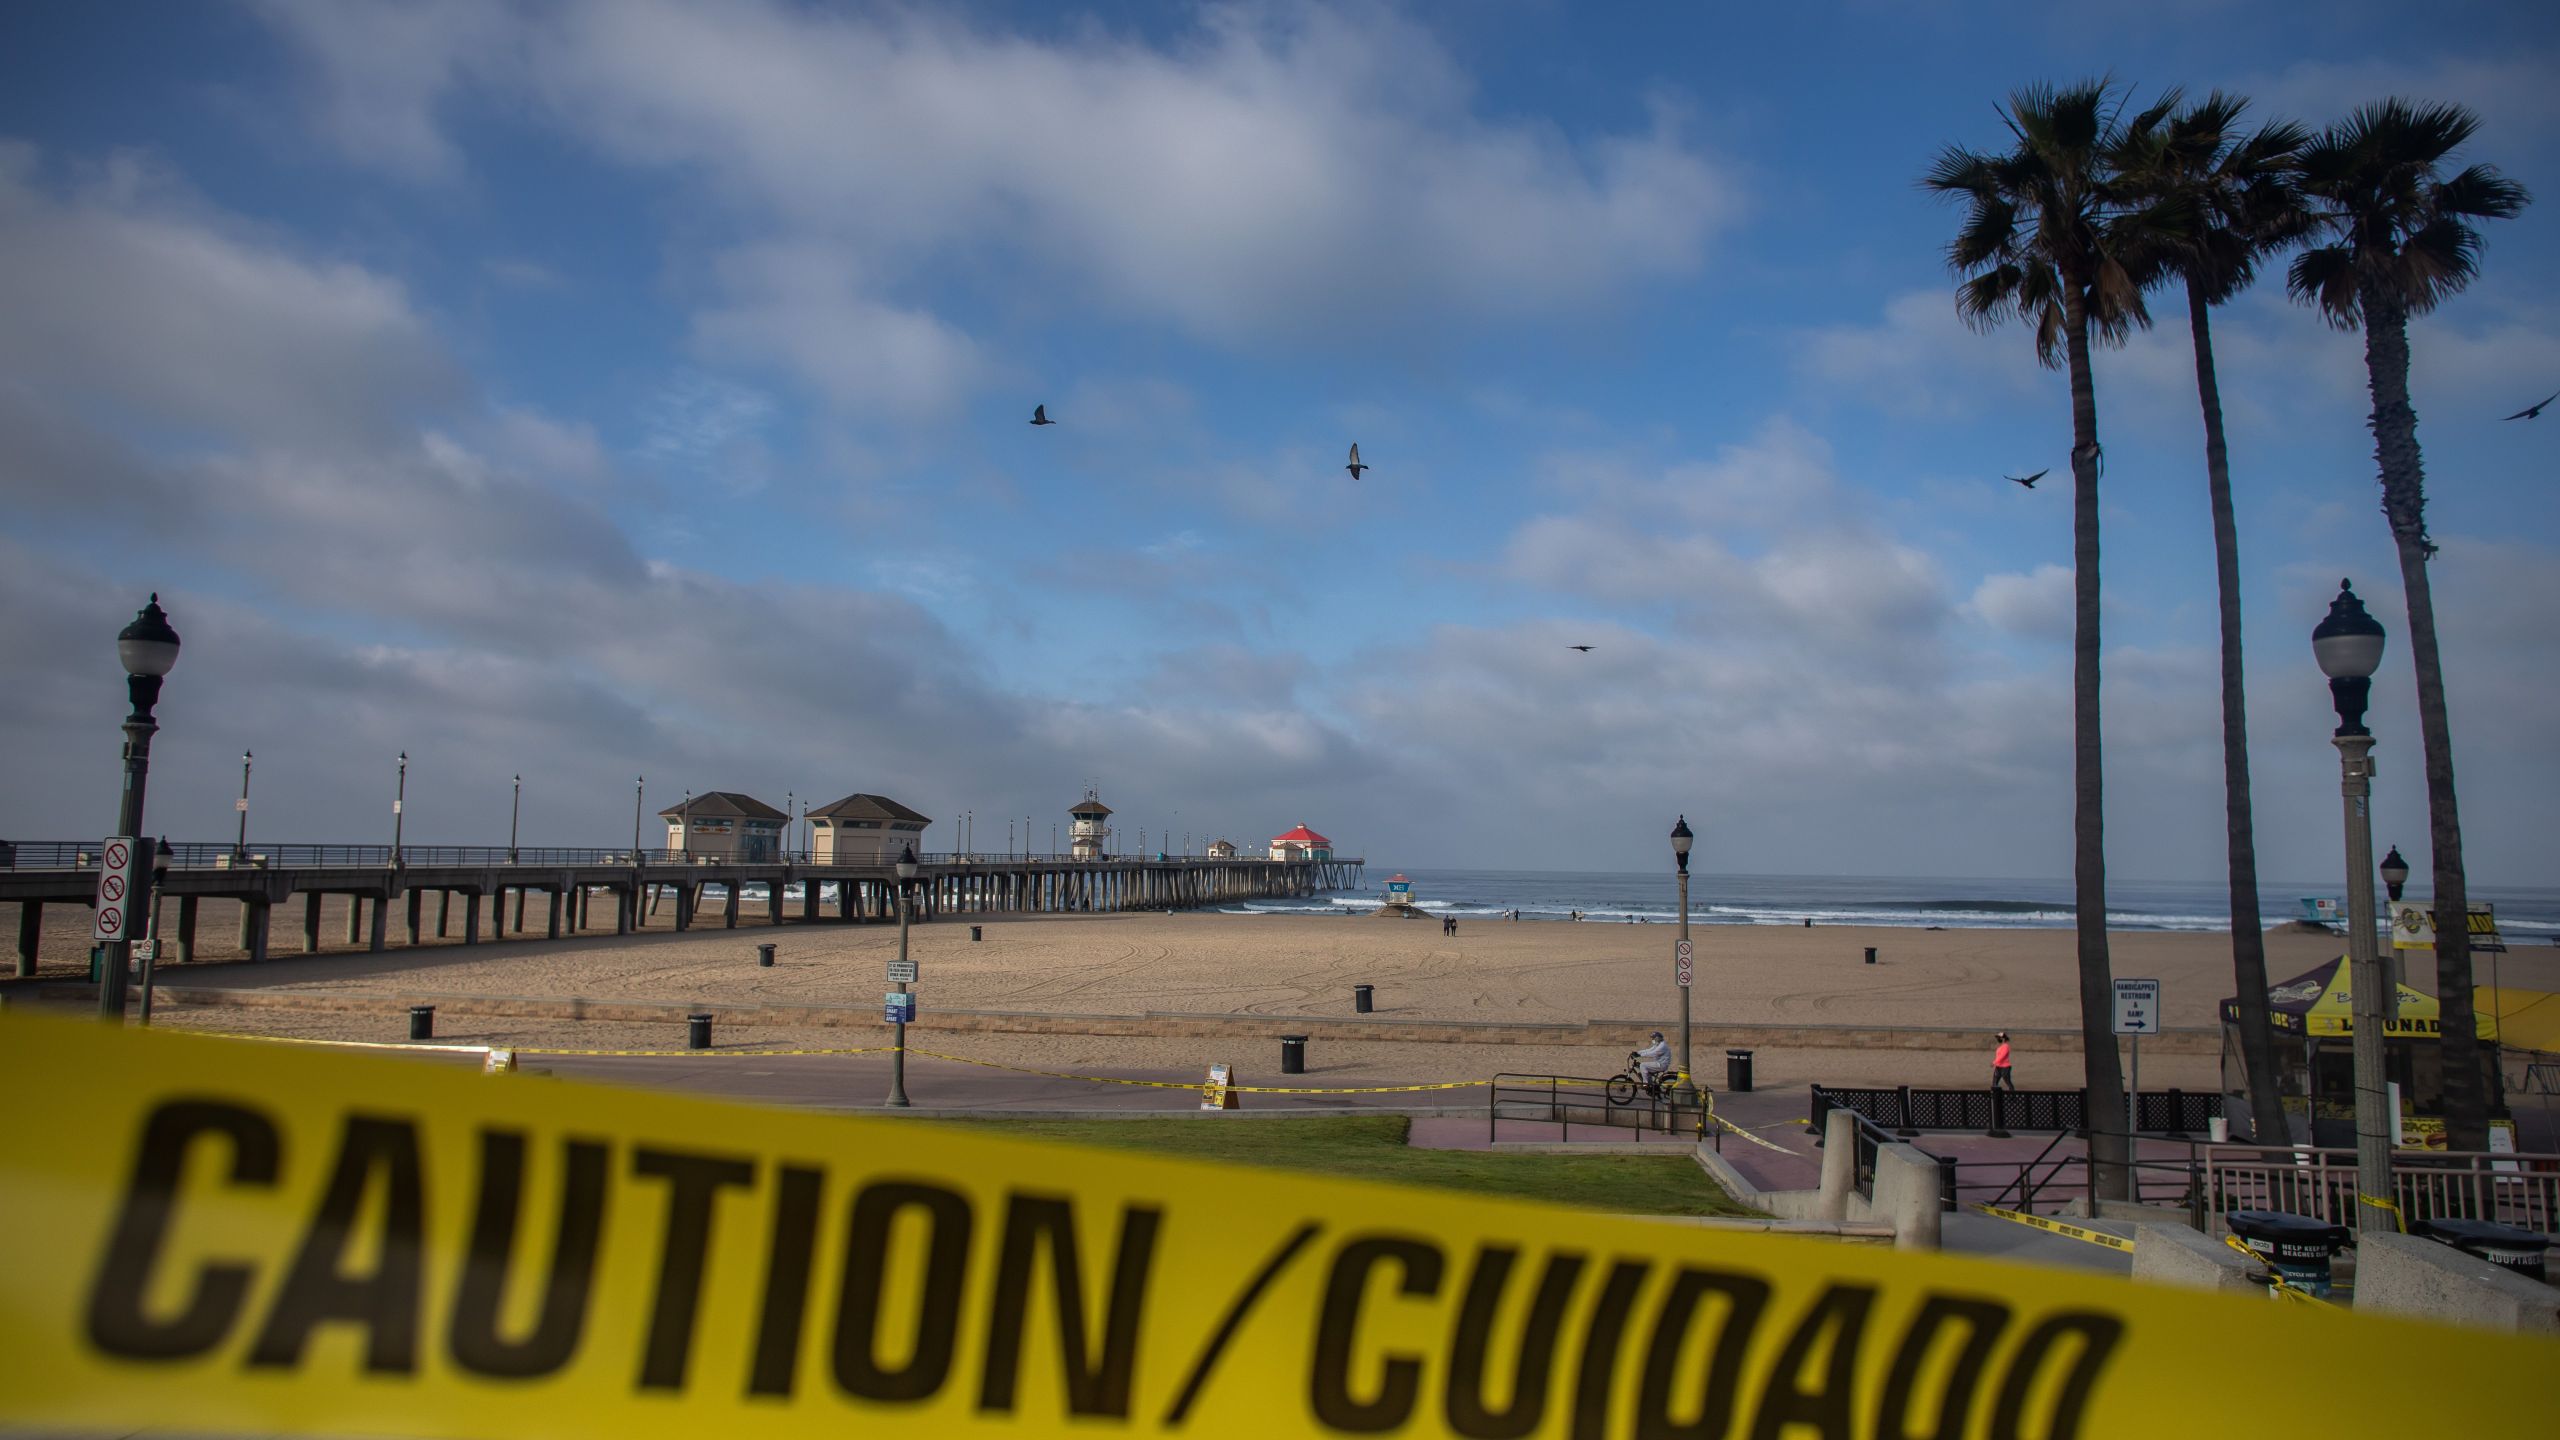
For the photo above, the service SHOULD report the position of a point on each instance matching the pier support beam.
(30, 931)
(185, 950)
(444, 913)
(417, 901)
(557, 901)
(375, 940)
(311, 923)
(729, 912)
(355, 919)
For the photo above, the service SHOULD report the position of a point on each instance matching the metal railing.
(1909, 1109)
(223, 855)
(2512, 1189)
(1568, 1100)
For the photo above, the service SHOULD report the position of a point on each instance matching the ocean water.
(2526, 916)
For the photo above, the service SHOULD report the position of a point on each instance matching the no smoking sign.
(116, 880)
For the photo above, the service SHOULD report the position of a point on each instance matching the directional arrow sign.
(2137, 1007)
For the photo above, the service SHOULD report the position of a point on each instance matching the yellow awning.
(2526, 1018)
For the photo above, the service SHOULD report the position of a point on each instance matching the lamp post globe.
(2395, 872)
(148, 650)
(906, 870)
(2348, 643)
(1681, 838)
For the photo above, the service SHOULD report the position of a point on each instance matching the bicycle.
(1624, 1086)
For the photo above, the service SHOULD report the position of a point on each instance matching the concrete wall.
(2406, 1275)
(2176, 1255)
(1906, 1196)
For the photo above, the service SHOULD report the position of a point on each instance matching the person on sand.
(2000, 1065)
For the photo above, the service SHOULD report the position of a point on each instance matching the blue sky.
(591, 390)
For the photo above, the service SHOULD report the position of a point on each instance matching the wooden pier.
(483, 879)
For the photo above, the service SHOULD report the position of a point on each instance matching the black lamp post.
(684, 836)
(1681, 838)
(240, 846)
(149, 650)
(898, 1049)
(639, 787)
(515, 812)
(399, 808)
(2395, 872)
(2348, 645)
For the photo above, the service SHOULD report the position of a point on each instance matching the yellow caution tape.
(293, 1241)
(1747, 1135)
(2075, 1232)
(2399, 1222)
(474, 1048)
(1194, 1084)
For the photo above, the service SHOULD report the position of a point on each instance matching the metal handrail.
(1564, 1095)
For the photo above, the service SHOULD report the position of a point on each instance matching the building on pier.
(1090, 832)
(725, 825)
(1222, 849)
(863, 829)
(1301, 844)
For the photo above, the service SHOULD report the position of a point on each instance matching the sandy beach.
(1274, 968)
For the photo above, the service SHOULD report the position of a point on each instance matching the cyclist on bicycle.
(1653, 1061)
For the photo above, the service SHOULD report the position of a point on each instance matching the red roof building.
(1301, 844)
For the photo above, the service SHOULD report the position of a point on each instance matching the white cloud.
(1294, 171)
(120, 288)
(2035, 605)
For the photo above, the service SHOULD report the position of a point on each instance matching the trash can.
(2294, 1247)
(422, 1022)
(1737, 1071)
(697, 1032)
(1293, 1054)
(764, 954)
(1871, 954)
(2504, 1246)
(977, 933)
(1360, 998)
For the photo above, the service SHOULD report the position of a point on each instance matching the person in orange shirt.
(2000, 1065)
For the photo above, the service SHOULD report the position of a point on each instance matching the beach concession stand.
(2314, 1019)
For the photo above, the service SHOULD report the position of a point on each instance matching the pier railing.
(1909, 1109)
(223, 855)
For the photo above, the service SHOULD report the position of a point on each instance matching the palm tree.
(2237, 205)
(2050, 238)
(2393, 238)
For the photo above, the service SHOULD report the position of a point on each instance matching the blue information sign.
(901, 1009)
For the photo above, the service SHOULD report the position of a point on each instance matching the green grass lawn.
(1372, 1147)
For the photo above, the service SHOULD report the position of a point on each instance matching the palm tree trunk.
(2404, 501)
(2248, 933)
(2109, 1146)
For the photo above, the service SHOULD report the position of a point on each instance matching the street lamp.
(788, 798)
(1681, 837)
(2348, 645)
(240, 846)
(2395, 878)
(399, 807)
(149, 650)
(898, 1048)
(684, 836)
(639, 787)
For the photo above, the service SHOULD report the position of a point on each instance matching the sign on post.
(2137, 1007)
(1215, 1095)
(902, 972)
(118, 865)
(1687, 955)
(2413, 927)
(900, 1008)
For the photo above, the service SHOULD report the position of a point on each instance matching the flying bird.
(2534, 410)
(1355, 467)
(2030, 480)
(1585, 649)
(1040, 415)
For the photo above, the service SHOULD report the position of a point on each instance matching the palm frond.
(2482, 193)
(2438, 260)
(2324, 277)
(1985, 300)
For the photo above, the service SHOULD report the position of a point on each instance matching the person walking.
(2000, 1065)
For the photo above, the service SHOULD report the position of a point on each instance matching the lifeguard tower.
(1399, 903)
(1090, 828)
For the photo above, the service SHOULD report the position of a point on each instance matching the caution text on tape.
(303, 1241)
